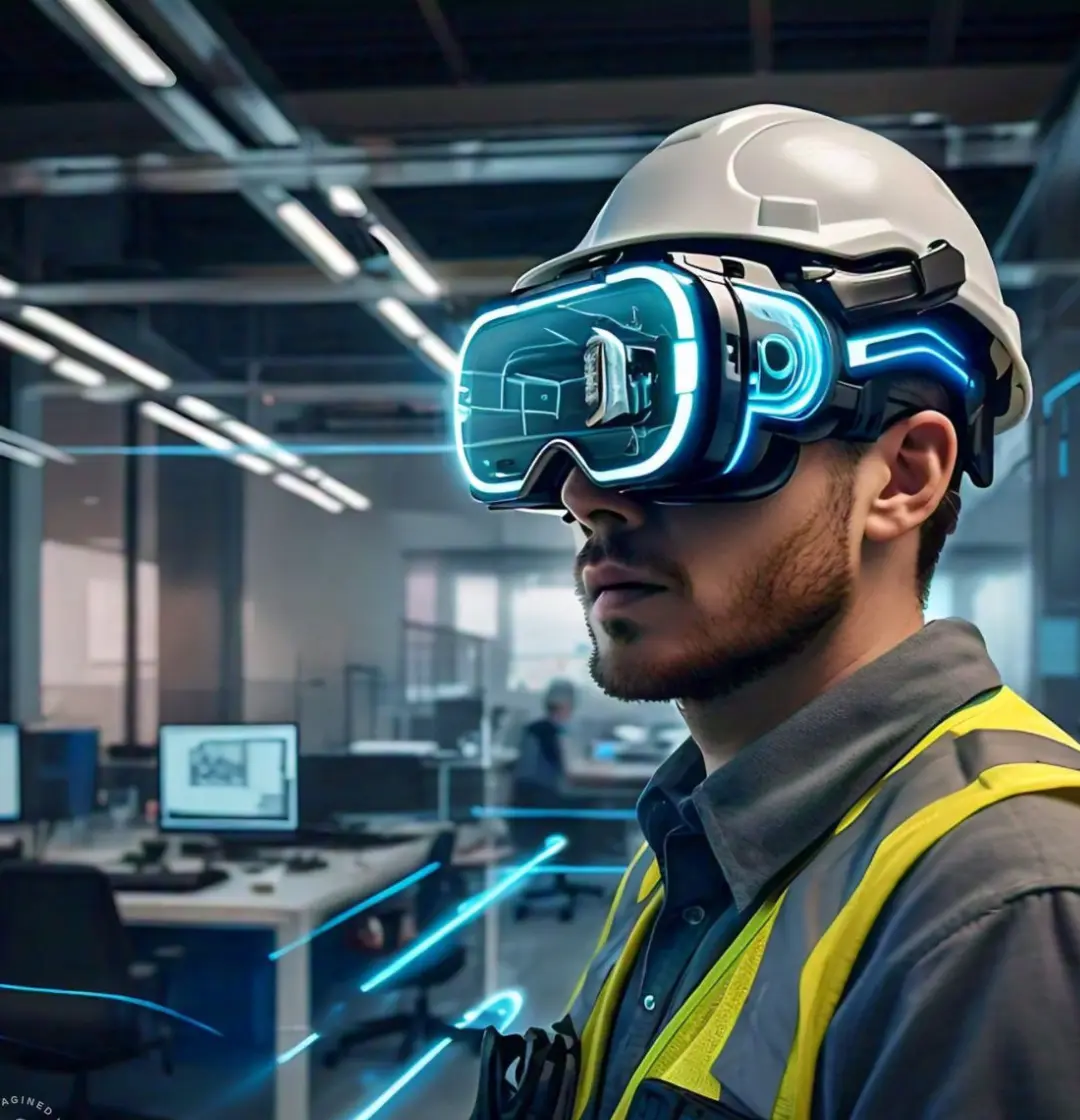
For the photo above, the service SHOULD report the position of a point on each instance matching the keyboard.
(157, 881)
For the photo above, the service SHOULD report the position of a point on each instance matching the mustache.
(624, 549)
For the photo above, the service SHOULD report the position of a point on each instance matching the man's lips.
(612, 589)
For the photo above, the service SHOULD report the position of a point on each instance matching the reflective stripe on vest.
(789, 968)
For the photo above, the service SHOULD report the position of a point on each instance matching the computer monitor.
(59, 774)
(228, 778)
(10, 773)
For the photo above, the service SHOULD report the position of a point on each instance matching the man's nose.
(594, 507)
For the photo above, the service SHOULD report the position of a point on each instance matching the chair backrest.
(60, 930)
(440, 892)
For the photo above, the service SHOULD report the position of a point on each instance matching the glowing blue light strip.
(469, 910)
(509, 813)
(1061, 389)
(114, 997)
(687, 364)
(512, 1002)
(196, 451)
(911, 342)
(580, 869)
(299, 1048)
(359, 908)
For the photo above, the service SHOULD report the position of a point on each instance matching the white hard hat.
(790, 177)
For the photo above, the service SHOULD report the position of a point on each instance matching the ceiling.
(485, 136)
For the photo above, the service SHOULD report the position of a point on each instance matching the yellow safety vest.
(756, 1023)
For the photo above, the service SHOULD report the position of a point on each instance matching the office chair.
(437, 896)
(59, 928)
(528, 835)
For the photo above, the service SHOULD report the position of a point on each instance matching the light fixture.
(407, 264)
(352, 498)
(28, 443)
(159, 414)
(199, 409)
(105, 352)
(29, 345)
(244, 433)
(21, 455)
(253, 463)
(344, 200)
(121, 42)
(303, 489)
(401, 318)
(78, 372)
(439, 352)
(318, 238)
(8, 287)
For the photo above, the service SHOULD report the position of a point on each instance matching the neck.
(722, 727)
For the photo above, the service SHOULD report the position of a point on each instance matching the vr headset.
(687, 377)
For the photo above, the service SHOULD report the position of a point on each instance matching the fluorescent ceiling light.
(253, 463)
(121, 42)
(98, 348)
(318, 238)
(439, 352)
(401, 318)
(29, 345)
(285, 458)
(78, 372)
(28, 443)
(303, 489)
(345, 200)
(8, 287)
(407, 264)
(312, 474)
(21, 455)
(200, 409)
(352, 498)
(244, 433)
(185, 427)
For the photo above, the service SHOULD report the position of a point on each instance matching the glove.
(528, 1077)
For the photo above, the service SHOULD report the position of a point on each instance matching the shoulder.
(1020, 847)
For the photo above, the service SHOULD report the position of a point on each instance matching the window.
(548, 638)
(476, 605)
(940, 604)
(422, 594)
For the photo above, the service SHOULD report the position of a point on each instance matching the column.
(200, 586)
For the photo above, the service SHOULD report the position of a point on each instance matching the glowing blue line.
(309, 451)
(1064, 386)
(359, 908)
(858, 350)
(299, 1048)
(514, 1001)
(482, 812)
(115, 998)
(466, 913)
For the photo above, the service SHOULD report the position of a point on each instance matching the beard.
(775, 610)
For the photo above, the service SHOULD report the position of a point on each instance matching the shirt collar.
(781, 794)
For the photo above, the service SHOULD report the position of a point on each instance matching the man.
(540, 766)
(859, 894)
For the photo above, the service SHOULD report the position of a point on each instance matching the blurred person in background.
(541, 764)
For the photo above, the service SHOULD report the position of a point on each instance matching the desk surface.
(605, 772)
(347, 876)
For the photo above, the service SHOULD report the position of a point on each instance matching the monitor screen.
(238, 777)
(59, 774)
(10, 776)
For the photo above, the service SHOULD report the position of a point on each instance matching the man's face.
(693, 602)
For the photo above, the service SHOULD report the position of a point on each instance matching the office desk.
(297, 905)
(599, 775)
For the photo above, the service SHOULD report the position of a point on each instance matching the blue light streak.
(309, 451)
(510, 1001)
(470, 909)
(508, 812)
(579, 869)
(299, 1048)
(114, 997)
(359, 908)
(1061, 389)
(910, 342)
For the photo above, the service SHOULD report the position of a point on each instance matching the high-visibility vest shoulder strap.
(755, 1025)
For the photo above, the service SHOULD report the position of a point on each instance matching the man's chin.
(638, 673)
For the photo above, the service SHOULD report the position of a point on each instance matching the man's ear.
(920, 453)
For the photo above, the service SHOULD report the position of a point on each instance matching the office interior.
(265, 666)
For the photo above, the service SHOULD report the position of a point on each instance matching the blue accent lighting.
(906, 344)
(470, 909)
(299, 1048)
(359, 908)
(499, 1010)
(510, 813)
(146, 1004)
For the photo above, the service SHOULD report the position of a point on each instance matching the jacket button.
(649, 1003)
(693, 915)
